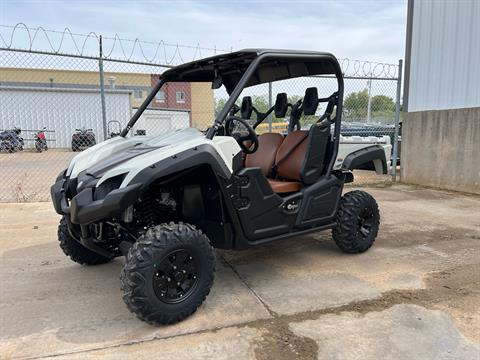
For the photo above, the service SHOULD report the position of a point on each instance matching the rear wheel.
(76, 251)
(358, 220)
(168, 273)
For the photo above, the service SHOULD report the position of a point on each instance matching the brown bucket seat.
(268, 143)
(288, 163)
(300, 159)
(264, 157)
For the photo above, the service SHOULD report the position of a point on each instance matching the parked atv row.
(83, 139)
(11, 141)
(40, 140)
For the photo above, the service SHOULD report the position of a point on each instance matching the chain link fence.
(54, 104)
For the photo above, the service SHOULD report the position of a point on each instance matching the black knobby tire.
(151, 252)
(358, 220)
(76, 251)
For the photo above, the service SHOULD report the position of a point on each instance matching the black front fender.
(374, 154)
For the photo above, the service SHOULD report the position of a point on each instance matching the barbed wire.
(368, 69)
(164, 53)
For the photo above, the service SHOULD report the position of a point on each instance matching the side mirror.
(281, 105)
(310, 101)
(246, 108)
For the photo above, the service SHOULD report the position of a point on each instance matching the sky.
(355, 29)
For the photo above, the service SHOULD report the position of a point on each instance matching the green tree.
(355, 104)
(260, 102)
(219, 104)
(292, 99)
(382, 105)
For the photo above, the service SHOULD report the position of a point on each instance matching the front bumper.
(83, 209)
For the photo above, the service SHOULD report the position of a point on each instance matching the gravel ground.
(415, 294)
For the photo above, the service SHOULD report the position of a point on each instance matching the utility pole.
(102, 91)
(270, 102)
(369, 111)
(397, 121)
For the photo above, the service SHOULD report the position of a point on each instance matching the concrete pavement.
(298, 298)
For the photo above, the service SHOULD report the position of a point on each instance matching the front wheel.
(358, 220)
(168, 273)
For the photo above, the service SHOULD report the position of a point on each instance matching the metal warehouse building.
(61, 111)
(441, 129)
(64, 100)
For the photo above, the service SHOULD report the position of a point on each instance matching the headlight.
(82, 181)
(108, 185)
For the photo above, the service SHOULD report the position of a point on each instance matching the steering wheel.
(252, 136)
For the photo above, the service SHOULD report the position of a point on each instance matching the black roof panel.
(275, 65)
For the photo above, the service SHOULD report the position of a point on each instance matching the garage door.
(157, 122)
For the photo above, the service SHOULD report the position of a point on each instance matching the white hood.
(164, 146)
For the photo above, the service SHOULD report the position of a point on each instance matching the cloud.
(368, 30)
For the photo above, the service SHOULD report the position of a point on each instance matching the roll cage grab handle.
(238, 90)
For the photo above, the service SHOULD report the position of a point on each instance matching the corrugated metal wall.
(445, 55)
(60, 110)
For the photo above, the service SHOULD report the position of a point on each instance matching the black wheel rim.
(175, 276)
(365, 222)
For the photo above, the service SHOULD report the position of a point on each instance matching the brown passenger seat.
(264, 157)
(289, 161)
(268, 143)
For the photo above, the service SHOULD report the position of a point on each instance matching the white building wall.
(157, 122)
(61, 110)
(445, 55)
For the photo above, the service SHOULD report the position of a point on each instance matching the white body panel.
(349, 144)
(169, 145)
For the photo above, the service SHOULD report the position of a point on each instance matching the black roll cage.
(246, 81)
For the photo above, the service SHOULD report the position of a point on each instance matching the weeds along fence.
(83, 94)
